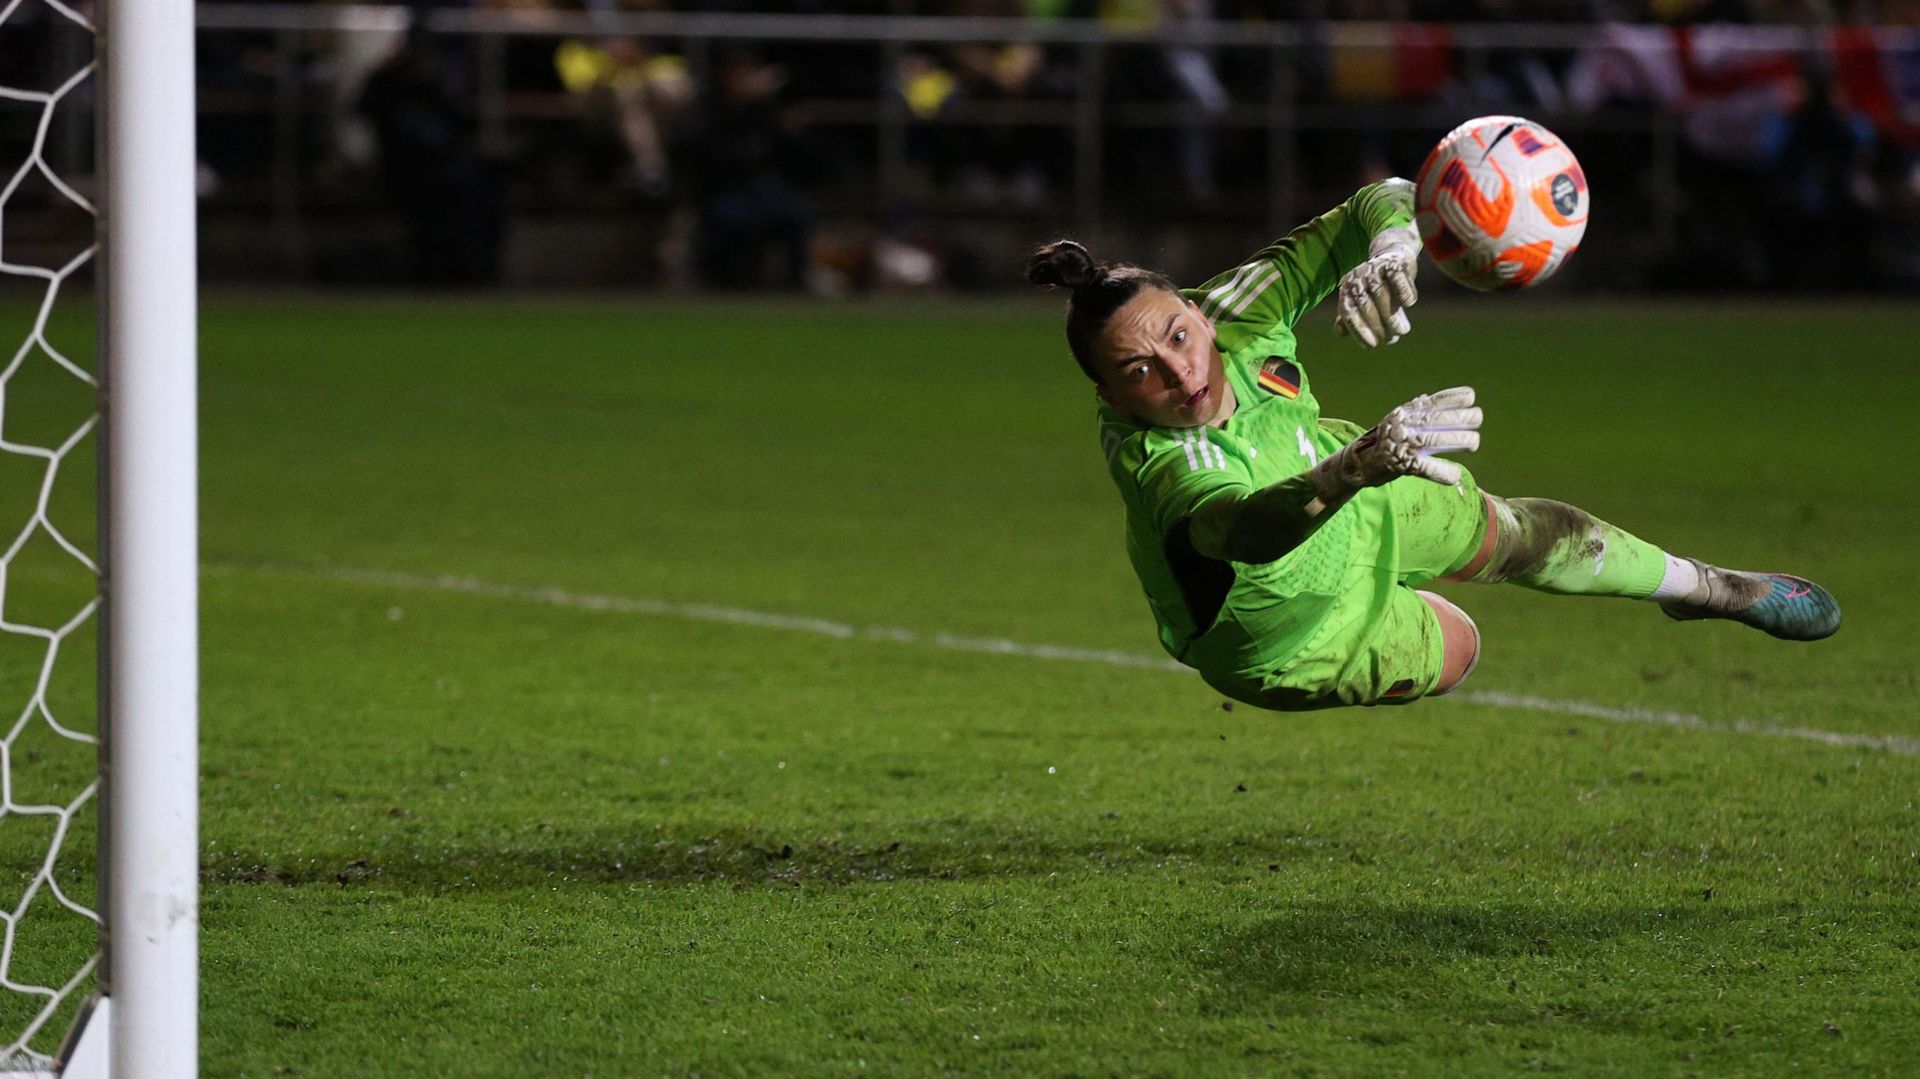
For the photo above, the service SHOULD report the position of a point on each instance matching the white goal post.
(149, 746)
(145, 1022)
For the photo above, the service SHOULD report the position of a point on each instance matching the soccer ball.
(1501, 203)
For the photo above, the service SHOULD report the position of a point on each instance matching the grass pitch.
(455, 825)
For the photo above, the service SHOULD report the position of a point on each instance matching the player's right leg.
(1553, 547)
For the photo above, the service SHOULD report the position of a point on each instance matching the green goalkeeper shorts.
(1381, 644)
(1436, 529)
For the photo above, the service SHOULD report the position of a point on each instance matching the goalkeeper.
(1281, 551)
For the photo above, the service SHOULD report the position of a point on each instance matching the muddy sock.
(1723, 590)
(1563, 549)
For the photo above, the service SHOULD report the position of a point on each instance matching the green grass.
(452, 833)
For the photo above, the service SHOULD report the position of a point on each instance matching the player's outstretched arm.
(1282, 281)
(1374, 296)
(1266, 524)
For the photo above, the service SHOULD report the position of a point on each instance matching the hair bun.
(1063, 263)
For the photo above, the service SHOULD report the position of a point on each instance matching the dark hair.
(1099, 289)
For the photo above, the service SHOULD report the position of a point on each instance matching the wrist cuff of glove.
(1336, 478)
(1403, 240)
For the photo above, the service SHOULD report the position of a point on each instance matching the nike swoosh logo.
(1504, 132)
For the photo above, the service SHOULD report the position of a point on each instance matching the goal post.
(145, 1022)
(149, 747)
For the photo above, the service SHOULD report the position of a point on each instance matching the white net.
(49, 582)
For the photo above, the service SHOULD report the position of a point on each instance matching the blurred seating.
(1794, 125)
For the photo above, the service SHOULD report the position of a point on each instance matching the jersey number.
(1306, 447)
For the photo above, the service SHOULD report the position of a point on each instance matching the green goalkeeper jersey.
(1234, 620)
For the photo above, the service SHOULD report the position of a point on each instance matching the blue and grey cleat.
(1790, 608)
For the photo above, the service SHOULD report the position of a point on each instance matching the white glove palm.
(1375, 295)
(1404, 444)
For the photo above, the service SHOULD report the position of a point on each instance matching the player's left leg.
(1460, 643)
(1554, 547)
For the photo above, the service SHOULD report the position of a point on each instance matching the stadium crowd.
(1796, 130)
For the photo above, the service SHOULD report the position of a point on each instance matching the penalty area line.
(701, 612)
(820, 627)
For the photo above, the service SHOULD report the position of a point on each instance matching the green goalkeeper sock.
(1554, 547)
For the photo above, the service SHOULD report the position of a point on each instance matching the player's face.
(1158, 365)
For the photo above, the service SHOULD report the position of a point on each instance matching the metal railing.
(1088, 118)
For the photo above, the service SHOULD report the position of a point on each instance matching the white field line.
(820, 627)
(1892, 743)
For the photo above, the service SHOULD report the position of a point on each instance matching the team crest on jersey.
(1280, 377)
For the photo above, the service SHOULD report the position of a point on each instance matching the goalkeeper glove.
(1375, 295)
(1404, 444)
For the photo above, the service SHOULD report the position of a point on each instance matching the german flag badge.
(1280, 377)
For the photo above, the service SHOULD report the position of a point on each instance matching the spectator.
(1817, 181)
(625, 88)
(1191, 68)
(752, 218)
(449, 193)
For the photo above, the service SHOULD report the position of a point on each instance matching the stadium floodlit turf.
(456, 824)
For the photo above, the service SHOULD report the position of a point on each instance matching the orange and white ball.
(1501, 203)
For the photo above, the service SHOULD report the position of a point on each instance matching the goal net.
(98, 574)
(49, 590)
